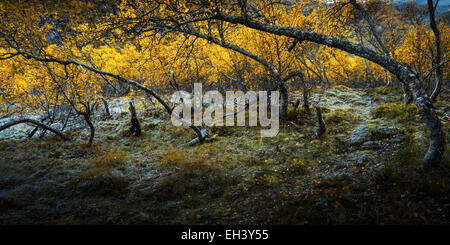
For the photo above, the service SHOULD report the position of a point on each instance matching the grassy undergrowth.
(236, 177)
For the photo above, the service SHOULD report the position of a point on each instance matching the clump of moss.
(377, 132)
(382, 90)
(338, 116)
(399, 112)
(340, 120)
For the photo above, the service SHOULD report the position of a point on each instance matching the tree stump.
(321, 129)
(135, 125)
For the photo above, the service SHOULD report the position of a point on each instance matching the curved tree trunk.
(37, 123)
(91, 128)
(436, 148)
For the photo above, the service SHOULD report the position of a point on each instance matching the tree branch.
(37, 123)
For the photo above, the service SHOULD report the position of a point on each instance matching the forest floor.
(364, 171)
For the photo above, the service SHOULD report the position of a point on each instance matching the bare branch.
(37, 123)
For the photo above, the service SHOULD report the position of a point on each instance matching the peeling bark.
(436, 148)
(407, 95)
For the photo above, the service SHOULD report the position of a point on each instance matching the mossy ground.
(236, 177)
